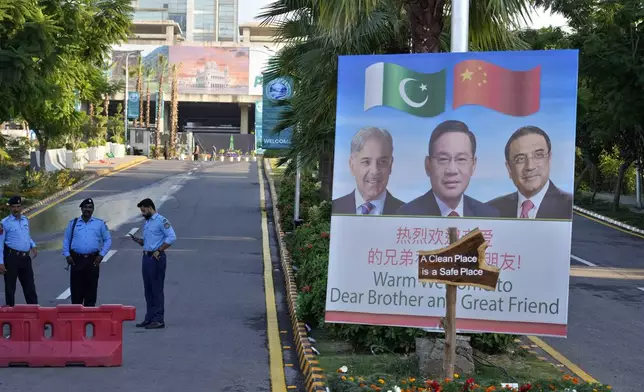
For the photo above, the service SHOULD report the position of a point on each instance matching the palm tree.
(162, 64)
(149, 75)
(139, 88)
(316, 32)
(174, 109)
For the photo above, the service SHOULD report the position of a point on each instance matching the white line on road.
(175, 187)
(65, 294)
(109, 254)
(641, 288)
(134, 230)
(190, 173)
(579, 259)
(164, 198)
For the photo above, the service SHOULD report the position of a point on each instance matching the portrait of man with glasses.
(528, 155)
(449, 164)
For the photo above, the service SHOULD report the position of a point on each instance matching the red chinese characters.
(406, 257)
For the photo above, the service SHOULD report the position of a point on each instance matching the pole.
(449, 322)
(127, 77)
(459, 43)
(638, 185)
(296, 213)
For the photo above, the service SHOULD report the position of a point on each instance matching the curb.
(313, 374)
(608, 220)
(92, 177)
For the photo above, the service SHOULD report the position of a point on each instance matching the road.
(215, 337)
(606, 310)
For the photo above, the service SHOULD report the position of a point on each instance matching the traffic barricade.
(64, 335)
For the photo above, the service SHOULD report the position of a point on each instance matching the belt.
(151, 252)
(85, 256)
(15, 252)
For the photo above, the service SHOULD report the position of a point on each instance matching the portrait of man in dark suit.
(528, 156)
(449, 164)
(371, 161)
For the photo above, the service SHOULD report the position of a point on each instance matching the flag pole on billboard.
(459, 43)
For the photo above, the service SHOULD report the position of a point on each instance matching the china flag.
(478, 82)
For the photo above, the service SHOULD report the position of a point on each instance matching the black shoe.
(143, 324)
(155, 325)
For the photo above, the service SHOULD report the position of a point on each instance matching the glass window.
(180, 19)
(200, 37)
(151, 15)
(205, 5)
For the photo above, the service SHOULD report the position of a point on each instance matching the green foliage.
(309, 197)
(36, 185)
(492, 343)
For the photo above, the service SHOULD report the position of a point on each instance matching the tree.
(162, 64)
(76, 37)
(174, 110)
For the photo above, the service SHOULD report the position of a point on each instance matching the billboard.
(276, 90)
(150, 58)
(211, 70)
(258, 61)
(425, 142)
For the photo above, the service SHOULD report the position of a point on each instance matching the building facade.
(204, 21)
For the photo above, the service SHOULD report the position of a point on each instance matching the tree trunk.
(426, 23)
(595, 184)
(174, 107)
(581, 177)
(325, 174)
(106, 106)
(147, 106)
(91, 113)
(618, 186)
(42, 149)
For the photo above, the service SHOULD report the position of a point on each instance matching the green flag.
(231, 144)
(420, 94)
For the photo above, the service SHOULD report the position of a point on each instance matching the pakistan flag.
(420, 94)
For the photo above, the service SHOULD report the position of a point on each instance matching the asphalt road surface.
(606, 310)
(215, 311)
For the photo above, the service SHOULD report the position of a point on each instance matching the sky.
(556, 116)
(248, 10)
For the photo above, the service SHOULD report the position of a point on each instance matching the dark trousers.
(83, 279)
(153, 271)
(18, 267)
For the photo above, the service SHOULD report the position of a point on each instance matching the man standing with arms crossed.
(87, 240)
(15, 257)
(158, 235)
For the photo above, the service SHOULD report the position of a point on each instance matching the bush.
(492, 343)
(309, 196)
(349, 383)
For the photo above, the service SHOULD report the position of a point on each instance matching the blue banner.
(133, 105)
(274, 91)
(258, 127)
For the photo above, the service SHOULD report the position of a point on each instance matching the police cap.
(15, 200)
(87, 202)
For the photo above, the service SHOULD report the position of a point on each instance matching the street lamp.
(127, 78)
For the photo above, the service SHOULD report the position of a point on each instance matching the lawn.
(623, 214)
(519, 366)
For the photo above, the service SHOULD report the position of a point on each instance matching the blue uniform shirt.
(15, 234)
(89, 237)
(156, 231)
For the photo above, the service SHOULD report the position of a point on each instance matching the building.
(219, 82)
(199, 21)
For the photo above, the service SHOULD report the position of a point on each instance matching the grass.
(519, 366)
(623, 214)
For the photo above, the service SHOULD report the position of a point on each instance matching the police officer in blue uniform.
(158, 235)
(87, 240)
(15, 258)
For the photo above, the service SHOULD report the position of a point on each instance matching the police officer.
(86, 242)
(158, 235)
(15, 258)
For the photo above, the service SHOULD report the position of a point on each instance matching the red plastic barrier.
(58, 336)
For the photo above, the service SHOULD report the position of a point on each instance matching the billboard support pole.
(296, 209)
(459, 43)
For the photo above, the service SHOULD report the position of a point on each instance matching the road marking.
(609, 225)
(278, 380)
(641, 288)
(175, 187)
(58, 201)
(131, 232)
(579, 259)
(108, 256)
(65, 294)
(164, 198)
(190, 173)
(565, 361)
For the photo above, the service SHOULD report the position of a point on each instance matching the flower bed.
(344, 382)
